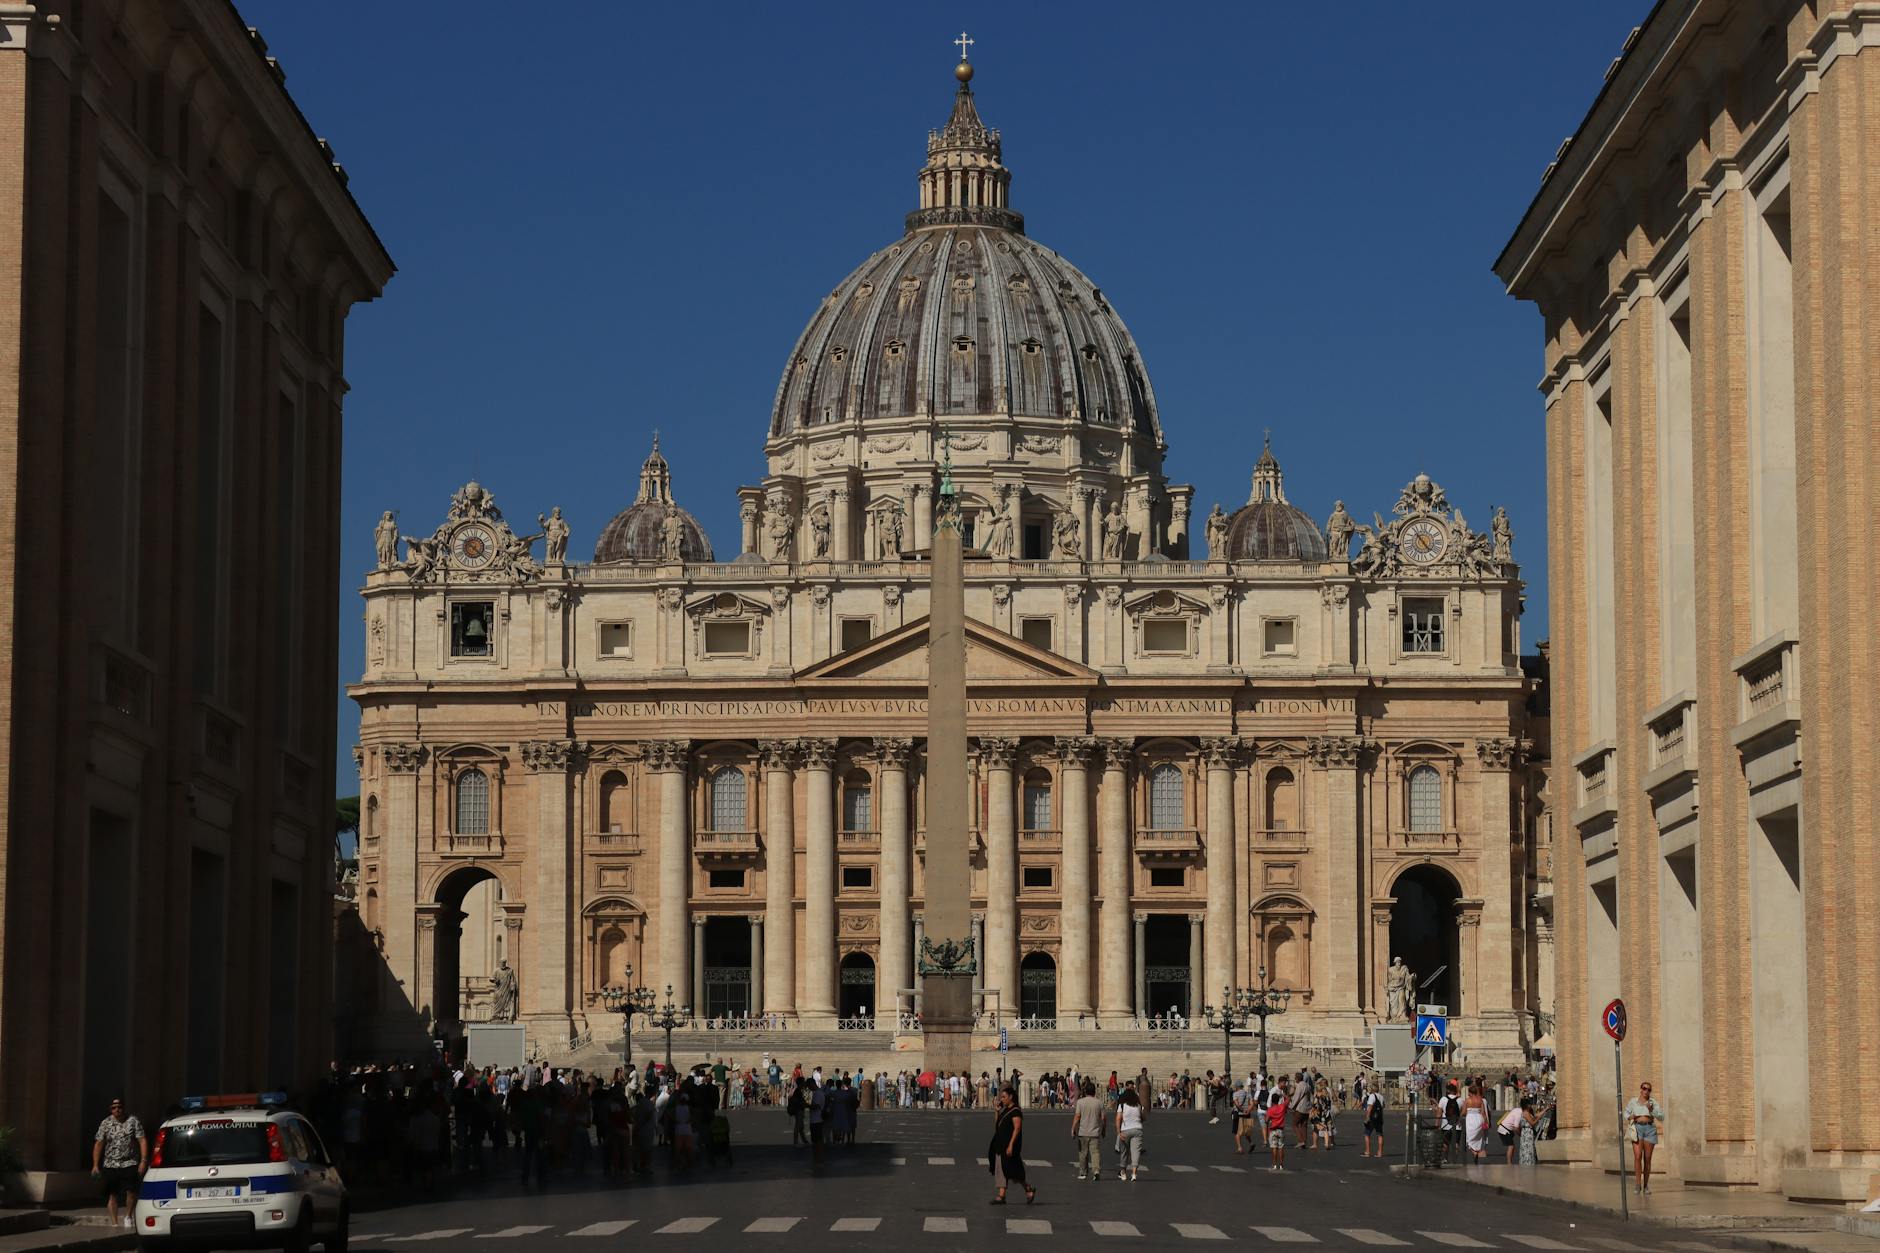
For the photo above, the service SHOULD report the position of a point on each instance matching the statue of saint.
(420, 557)
(1338, 532)
(1067, 536)
(1504, 535)
(1115, 532)
(819, 528)
(671, 535)
(503, 993)
(385, 537)
(888, 533)
(555, 531)
(999, 535)
(1217, 534)
(782, 523)
(1397, 991)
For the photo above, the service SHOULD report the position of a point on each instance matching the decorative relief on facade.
(1039, 924)
(544, 756)
(1117, 752)
(891, 595)
(472, 544)
(1001, 594)
(778, 754)
(893, 753)
(997, 754)
(1076, 750)
(1112, 595)
(1332, 595)
(1074, 593)
(1219, 754)
(402, 758)
(1038, 445)
(671, 599)
(1428, 537)
(1499, 753)
(818, 754)
(665, 755)
(889, 443)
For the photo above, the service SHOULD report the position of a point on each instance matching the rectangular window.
(725, 880)
(1037, 876)
(1168, 877)
(858, 876)
(1277, 636)
(858, 810)
(1036, 632)
(1165, 635)
(472, 628)
(1034, 541)
(727, 639)
(856, 632)
(616, 639)
(1422, 624)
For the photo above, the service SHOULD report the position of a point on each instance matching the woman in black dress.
(1005, 1156)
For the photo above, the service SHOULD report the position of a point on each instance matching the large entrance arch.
(469, 944)
(1423, 932)
(1037, 989)
(858, 985)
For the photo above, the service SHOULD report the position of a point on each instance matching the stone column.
(1142, 967)
(778, 756)
(424, 954)
(922, 538)
(896, 970)
(547, 984)
(757, 964)
(1074, 911)
(1013, 500)
(1372, 997)
(1220, 756)
(1114, 999)
(997, 755)
(842, 542)
(1340, 757)
(667, 761)
(1495, 976)
(920, 933)
(1198, 993)
(979, 966)
(400, 844)
(819, 880)
(698, 963)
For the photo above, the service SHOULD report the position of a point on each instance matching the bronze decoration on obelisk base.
(946, 961)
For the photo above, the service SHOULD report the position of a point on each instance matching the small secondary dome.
(1268, 527)
(637, 533)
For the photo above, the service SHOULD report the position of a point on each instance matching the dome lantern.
(964, 180)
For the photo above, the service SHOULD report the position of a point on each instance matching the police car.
(240, 1172)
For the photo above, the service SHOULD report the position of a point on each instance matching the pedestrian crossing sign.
(1432, 1031)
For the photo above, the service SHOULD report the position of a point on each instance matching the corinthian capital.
(1117, 752)
(778, 754)
(1338, 751)
(892, 752)
(819, 754)
(402, 758)
(544, 756)
(1498, 753)
(664, 755)
(1076, 750)
(998, 754)
(1222, 754)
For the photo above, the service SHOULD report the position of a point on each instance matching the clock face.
(473, 547)
(1422, 541)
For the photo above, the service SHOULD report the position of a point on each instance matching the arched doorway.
(858, 985)
(1165, 965)
(468, 947)
(1423, 932)
(1037, 989)
(727, 967)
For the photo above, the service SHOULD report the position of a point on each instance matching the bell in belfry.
(474, 631)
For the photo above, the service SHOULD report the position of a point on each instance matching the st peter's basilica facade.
(1204, 749)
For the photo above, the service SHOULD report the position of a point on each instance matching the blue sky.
(612, 217)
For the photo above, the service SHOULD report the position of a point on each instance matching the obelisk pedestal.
(948, 956)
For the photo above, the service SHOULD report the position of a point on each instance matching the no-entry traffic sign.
(1614, 1019)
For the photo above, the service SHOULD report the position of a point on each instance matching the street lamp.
(1263, 1002)
(628, 1001)
(669, 1019)
(1228, 1017)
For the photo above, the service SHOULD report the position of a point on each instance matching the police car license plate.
(212, 1191)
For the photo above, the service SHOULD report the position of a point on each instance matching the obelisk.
(946, 961)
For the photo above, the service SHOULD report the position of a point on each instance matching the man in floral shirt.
(118, 1154)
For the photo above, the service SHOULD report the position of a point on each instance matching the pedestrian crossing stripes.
(949, 1224)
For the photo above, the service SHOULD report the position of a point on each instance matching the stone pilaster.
(995, 758)
(400, 859)
(548, 993)
(1341, 758)
(819, 880)
(1074, 936)
(1114, 982)
(1198, 994)
(778, 758)
(1496, 978)
(1220, 757)
(698, 964)
(757, 964)
(666, 761)
(895, 969)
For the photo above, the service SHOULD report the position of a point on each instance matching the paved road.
(919, 1180)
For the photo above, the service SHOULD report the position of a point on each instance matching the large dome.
(965, 316)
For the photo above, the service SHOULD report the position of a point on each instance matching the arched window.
(614, 808)
(473, 804)
(1282, 800)
(858, 802)
(727, 800)
(1166, 809)
(371, 820)
(1426, 799)
(1037, 812)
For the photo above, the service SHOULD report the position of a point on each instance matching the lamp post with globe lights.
(1264, 1002)
(627, 1001)
(669, 1018)
(1228, 1017)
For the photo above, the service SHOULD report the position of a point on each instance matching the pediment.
(993, 657)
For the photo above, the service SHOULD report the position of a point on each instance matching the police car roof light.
(239, 1100)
